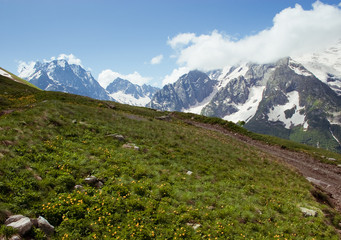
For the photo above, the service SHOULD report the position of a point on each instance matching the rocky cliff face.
(189, 90)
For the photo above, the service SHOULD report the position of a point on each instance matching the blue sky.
(122, 37)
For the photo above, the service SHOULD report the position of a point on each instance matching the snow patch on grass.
(6, 74)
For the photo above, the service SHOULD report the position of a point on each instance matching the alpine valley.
(296, 98)
(73, 167)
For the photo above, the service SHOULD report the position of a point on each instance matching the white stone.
(23, 225)
(13, 218)
(308, 212)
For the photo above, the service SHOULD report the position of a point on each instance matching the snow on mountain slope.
(298, 69)
(199, 106)
(325, 65)
(229, 73)
(26, 70)
(122, 97)
(126, 92)
(60, 75)
(247, 110)
(288, 113)
(334, 118)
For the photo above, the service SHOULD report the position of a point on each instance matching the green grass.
(21, 80)
(318, 153)
(234, 192)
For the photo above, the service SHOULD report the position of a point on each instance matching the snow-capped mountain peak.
(325, 65)
(126, 92)
(59, 75)
(26, 70)
(285, 98)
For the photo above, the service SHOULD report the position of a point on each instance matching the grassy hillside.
(20, 80)
(179, 182)
(318, 153)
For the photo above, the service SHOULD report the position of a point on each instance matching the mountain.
(126, 92)
(288, 99)
(325, 65)
(298, 106)
(59, 75)
(191, 89)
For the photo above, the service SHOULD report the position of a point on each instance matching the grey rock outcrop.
(118, 137)
(308, 212)
(24, 224)
(45, 226)
(21, 223)
(131, 146)
(13, 218)
(190, 89)
(93, 181)
(15, 237)
(78, 187)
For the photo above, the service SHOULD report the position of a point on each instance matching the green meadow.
(159, 180)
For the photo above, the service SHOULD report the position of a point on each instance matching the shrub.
(64, 183)
(7, 232)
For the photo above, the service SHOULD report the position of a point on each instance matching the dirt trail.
(325, 177)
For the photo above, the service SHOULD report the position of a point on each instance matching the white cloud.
(181, 39)
(71, 59)
(108, 76)
(156, 60)
(294, 31)
(174, 76)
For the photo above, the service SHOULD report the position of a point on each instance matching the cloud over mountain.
(175, 75)
(71, 59)
(294, 31)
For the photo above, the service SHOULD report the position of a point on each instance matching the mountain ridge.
(59, 75)
(282, 99)
(126, 92)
